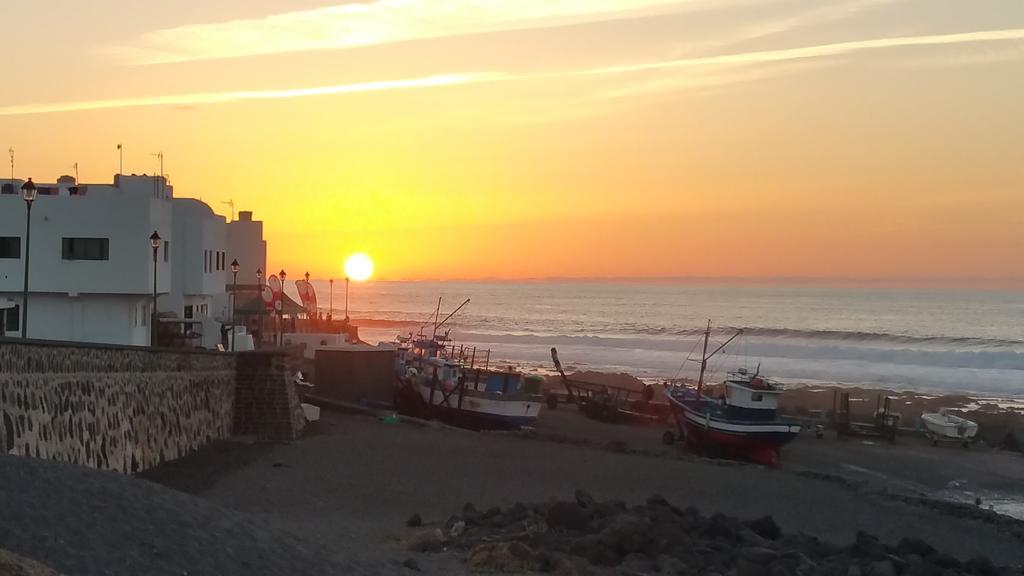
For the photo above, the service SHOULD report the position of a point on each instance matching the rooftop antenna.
(231, 204)
(11, 152)
(160, 157)
(120, 159)
(76, 172)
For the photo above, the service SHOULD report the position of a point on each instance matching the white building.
(91, 264)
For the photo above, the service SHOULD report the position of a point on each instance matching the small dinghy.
(942, 425)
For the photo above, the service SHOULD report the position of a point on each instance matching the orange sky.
(612, 138)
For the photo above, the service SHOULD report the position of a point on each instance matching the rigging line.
(685, 360)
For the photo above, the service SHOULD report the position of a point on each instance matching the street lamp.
(330, 307)
(347, 282)
(280, 314)
(259, 306)
(154, 242)
(234, 299)
(28, 194)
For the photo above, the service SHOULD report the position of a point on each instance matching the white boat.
(945, 426)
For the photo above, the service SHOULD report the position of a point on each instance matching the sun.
(359, 267)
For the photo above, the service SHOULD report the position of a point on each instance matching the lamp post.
(28, 193)
(234, 299)
(330, 307)
(259, 307)
(154, 242)
(280, 316)
(347, 282)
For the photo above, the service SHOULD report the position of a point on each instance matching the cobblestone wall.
(114, 408)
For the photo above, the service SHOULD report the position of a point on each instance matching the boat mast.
(437, 313)
(449, 317)
(704, 358)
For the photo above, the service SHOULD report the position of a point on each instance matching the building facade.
(91, 275)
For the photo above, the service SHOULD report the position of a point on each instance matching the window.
(10, 247)
(188, 312)
(145, 314)
(167, 250)
(7, 188)
(206, 263)
(756, 397)
(86, 248)
(13, 320)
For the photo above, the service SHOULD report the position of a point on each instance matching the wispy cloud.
(222, 97)
(384, 21)
(724, 60)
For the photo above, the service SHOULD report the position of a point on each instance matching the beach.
(340, 497)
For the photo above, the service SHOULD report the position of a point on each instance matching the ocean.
(933, 341)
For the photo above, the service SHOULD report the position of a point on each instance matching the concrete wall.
(129, 409)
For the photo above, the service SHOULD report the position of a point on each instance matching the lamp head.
(28, 191)
(154, 240)
(234, 266)
(259, 274)
(282, 275)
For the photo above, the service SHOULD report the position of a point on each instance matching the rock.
(762, 556)
(658, 500)
(411, 564)
(568, 515)
(746, 567)
(981, 566)
(625, 535)
(14, 565)
(914, 546)
(750, 538)
(868, 546)
(492, 512)
(943, 560)
(458, 529)
(881, 568)
(468, 508)
(535, 525)
(414, 521)
(765, 527)
(636, 565)
(428, 541)
(669, 565)
(584, 499)
(503, 557)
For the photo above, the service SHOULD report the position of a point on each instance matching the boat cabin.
(751, 396)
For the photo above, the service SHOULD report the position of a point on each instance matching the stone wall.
(129, 409)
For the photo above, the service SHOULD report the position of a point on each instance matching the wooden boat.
(609, 403)
(434, 382)
(942, 425)
(744, 423)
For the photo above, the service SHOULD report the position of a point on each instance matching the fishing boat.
(743, 423)
(942, 425)
(434, 381)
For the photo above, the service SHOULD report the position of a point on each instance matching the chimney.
(245, 216)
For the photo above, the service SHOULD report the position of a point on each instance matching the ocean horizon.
(939, 340)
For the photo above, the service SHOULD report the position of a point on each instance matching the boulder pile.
(589, 537)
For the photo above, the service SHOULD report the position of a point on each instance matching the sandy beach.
(340, 497)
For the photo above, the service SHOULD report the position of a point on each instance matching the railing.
(468, 355)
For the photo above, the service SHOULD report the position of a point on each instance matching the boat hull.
(473, 409)
(757, 441)
(949, 427)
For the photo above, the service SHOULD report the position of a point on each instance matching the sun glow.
(359, 267)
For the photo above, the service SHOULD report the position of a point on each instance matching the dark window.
(188, 311)
(10, 247)
(86, 248)
(13, 322)
(206, 262)
(167, 250)
(7, 188)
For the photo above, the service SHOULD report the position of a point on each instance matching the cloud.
(724, 60)
(222, 97)
(385, 21)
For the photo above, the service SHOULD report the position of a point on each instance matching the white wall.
(107, 318)
(245, 243)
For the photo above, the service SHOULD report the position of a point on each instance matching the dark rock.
(428, 541)
(411, 564)
(981, 566)
(868, 546)
(914, 546)
(503, 557)
(881, 568)
(625, 535)
(669, 565)
(492, 512)
(658, 500)
(457, 529)
(746, 567)
(749, 538)
(414, 521)
(943, 560)
(584, 499)
(568, 515)
(762, 556)
(765, 527)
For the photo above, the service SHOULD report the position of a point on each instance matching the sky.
(471, 139)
